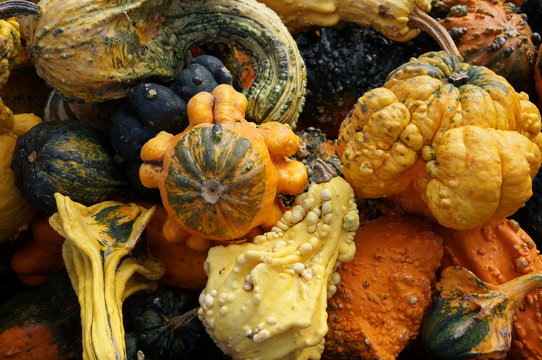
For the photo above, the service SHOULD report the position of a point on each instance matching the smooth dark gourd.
(68, 157)
(163, 325)
(159, 107)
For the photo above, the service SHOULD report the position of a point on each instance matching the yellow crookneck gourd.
(100, 260)
(466, 141)
(267, 299)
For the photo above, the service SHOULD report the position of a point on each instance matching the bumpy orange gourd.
(477, 139)
(492, 34)
(497, 252)
(219, 178)
(184, 266)
(384, 291)
(41, 256)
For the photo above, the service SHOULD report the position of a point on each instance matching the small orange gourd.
(184, 266)
(384, 291)
(498, 252)
(41, 256)
(219, 178)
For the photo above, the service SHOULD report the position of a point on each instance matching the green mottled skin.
(97, 50)
(230, 159)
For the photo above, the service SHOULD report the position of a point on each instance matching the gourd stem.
(419, 19)
(322, 171)
(519, 287)
(12, 8)
(179, 321)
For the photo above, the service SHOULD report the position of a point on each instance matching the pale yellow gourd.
(267, 299)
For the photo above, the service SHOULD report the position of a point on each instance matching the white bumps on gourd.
(267, 299)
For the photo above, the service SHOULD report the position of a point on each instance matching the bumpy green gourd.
(96, 50)
(472, 319)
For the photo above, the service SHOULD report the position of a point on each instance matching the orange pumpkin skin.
(497, 252)
(30, 342)
(184, 266)
(490, 33)
(384, 291)
(41, 256)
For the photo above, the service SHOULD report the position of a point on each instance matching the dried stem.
(419, 19)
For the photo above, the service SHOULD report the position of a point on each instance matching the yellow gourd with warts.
(267, 299)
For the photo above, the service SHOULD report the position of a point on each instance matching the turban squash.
(461, 135)
(219, 178)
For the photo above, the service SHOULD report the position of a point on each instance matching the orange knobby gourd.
(384, 291)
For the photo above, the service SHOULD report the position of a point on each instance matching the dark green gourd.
(68, 157)
(96, 50)
(163, 325)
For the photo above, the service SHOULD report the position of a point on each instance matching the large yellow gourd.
(460, 135)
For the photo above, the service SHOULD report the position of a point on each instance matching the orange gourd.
(493, 34)
(184, 266)
(384, 291)
(41, 256)
(220, 177)
(497, 252)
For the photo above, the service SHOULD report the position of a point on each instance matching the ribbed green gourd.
(472, 319)
(97, 50)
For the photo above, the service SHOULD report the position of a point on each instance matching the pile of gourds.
(163, 202)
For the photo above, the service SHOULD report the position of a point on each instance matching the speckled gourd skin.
(389, 17)
(384, 291)
(471, 149)
(267, 299)
(97, 50)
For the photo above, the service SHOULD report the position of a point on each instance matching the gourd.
(331, 56)
(494, 35)
(497, 252)
(385, 290)
(267, 299)
(105, 267)
(41, 256)
(163, 325)
(472, 319)
(397, 20)
(459, 134)
(219, 178)
(183, 265)
(75, 47)
(15, 212)
(67, 157)
(42, 322)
